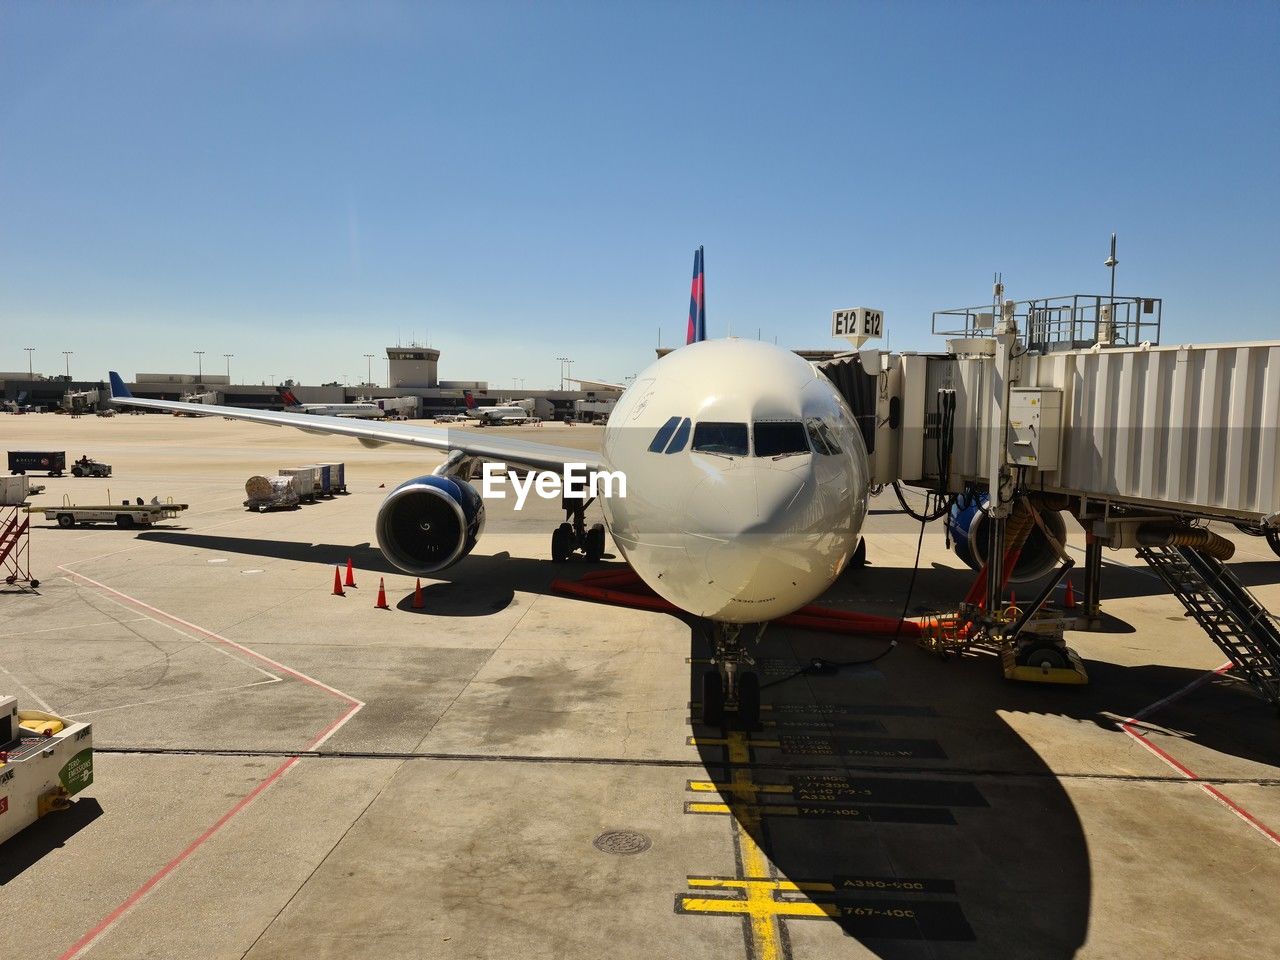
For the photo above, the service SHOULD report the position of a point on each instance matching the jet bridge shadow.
(922, 823)
(919, 828)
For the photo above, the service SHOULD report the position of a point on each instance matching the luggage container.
(323, 486)
(308, 483)
(337, 477)
(14, 491)
(49, 461)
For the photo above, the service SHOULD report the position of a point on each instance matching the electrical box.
(1035, 427)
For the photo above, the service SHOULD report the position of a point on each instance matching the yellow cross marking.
(758, 902)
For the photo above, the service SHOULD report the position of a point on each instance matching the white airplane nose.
(742, 524)
(743, 501)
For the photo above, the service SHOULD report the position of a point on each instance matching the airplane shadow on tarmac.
(477, 586)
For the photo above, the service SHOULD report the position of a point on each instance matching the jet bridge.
(1072, 404)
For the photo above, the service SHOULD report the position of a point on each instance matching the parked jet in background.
(517, 411)
(362, 410)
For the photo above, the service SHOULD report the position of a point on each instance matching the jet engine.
(429, 523)
(967, 524)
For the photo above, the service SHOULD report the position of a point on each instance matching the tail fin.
(287, 396)
(469, 399)
(118, 389)
(697, 302)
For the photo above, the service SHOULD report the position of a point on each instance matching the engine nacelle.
(967, 523)
(429, 523)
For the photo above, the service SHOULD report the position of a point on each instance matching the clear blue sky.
(299, 184)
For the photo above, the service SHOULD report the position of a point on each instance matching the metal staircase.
(1226, 610)
(15, 549)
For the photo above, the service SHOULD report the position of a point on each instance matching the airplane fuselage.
(362, 410)
(747, 480)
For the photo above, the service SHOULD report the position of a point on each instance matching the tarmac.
(284, 773)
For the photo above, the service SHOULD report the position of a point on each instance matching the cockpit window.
(681, 438)
(726, 438)
(663, 435)
(821, 438)
(779, 438)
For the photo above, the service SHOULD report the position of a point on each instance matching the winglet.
(118, 390)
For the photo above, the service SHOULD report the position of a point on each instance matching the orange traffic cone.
(418, 602)
(1069, 598)
(382, 597)
(337, 583)
(351, 574)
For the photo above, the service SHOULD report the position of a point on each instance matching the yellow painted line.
(742, 883)
(765, 914)
(743, 810)
(706, 786)
(722, 742)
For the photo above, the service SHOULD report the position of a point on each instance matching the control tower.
(413, 366)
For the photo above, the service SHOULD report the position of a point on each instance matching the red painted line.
(1128, 727)
(89, 939)
(213, 636)
(132, 900)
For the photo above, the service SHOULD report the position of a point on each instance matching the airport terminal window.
(681, 438)
(779, 438)
(725, 438)
(663, 435)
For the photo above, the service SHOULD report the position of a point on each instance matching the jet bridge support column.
(998, 476)
(1092, 579)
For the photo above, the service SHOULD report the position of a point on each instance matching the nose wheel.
(574, 535)
(731, 693)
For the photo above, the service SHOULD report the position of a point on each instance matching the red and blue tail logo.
(286, 395)
(468, 399)
(697, 302)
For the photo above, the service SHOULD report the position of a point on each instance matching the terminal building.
(412, 375)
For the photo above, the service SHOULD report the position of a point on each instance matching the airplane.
(747, 487)
(747, 483)
(516, 412)
(365, 410)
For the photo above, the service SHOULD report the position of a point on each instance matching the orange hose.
(600, 585)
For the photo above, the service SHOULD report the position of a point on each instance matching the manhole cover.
(622, 842)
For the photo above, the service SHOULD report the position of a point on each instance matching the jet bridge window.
(779, 438)
(725, 438)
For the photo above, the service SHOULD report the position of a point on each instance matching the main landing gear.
(574, 534)
(730, 693)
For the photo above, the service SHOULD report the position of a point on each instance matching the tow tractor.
(45, 760)
(84, 467)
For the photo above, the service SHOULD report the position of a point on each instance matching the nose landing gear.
(731, 694)
(574, 534)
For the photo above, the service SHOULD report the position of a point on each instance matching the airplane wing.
(374, 433)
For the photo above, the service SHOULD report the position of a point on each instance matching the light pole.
(228, 357)
(30, 351)
(563, 361)
(369, 375)
(199, 365)
(67, 354)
